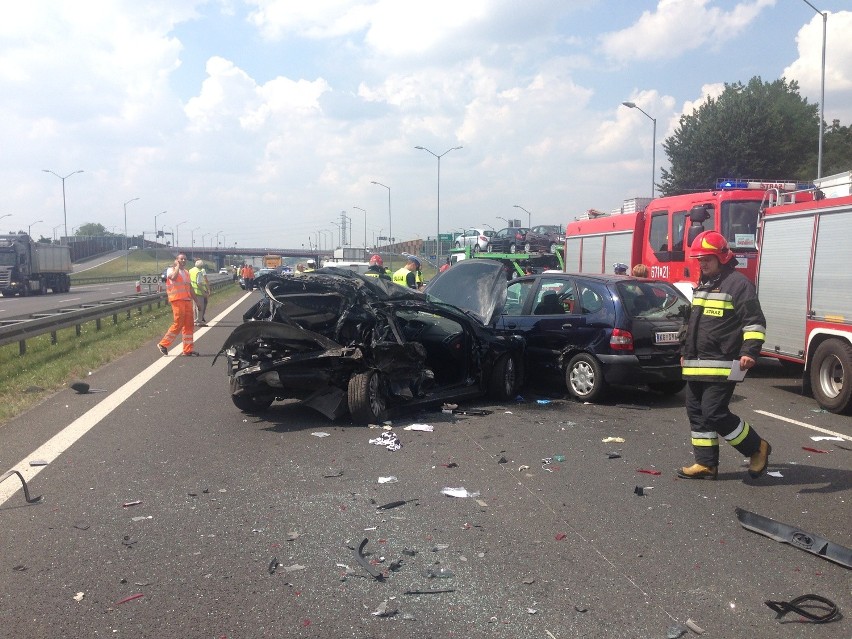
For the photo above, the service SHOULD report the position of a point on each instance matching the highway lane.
(12, 307)
(560, 549)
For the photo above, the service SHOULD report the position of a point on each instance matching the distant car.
(223, 271)
(517, 240)
(476, 238)
(133, 248)
(598, 330)
(553, 232)
(343, 342)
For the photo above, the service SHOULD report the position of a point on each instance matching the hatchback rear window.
(652, 299)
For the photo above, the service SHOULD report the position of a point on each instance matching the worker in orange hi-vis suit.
(182, 299)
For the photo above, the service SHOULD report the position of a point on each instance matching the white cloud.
(679, 26)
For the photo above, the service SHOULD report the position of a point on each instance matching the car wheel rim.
(510, 376)
(582, 378)
(831, 377)
(377, 405)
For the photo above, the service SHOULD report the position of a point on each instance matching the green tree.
(837, 149)
(762, 130)
(91, 229)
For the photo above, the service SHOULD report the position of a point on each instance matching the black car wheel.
(584, 378)
(366, 399)
(504, 379)
(553, 247)
(527, 248)
(249, 404)
(513, 248)
(668, 388)
(830, 382)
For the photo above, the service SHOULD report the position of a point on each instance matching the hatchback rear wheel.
(504, 379)
(584, 378)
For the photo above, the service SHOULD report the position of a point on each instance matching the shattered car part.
(795, 537)
(340, 342)
(27, 497)
(801, 605)
(365, 563)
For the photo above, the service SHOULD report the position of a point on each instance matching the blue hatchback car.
(599, 330)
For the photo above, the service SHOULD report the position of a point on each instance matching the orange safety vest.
(179, 288)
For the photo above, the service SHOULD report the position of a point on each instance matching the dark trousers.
(709, 418)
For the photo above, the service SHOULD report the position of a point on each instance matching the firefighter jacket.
(180, 287)
(725, 322)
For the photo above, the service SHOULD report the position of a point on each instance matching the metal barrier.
(21, 329)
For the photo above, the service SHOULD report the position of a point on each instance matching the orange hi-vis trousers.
(183, 323)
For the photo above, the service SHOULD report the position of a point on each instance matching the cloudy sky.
(263, 120)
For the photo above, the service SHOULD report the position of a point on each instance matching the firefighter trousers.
(709, 417)
(183, 324)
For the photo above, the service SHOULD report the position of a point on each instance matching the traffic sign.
(149, 279)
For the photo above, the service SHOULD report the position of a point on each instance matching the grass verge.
(45, 368)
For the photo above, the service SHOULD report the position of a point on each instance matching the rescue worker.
(310, 265)
(201, 289)
(248, 277)
(377, 268)
(419, 278)
(725, 329)
(182, 299)
(407, 275)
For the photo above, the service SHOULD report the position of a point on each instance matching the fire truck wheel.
(830, 376)
(584, 378)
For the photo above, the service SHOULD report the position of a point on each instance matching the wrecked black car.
(338, 341)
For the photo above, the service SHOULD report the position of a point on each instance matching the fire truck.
(658, 232)
(805, 288)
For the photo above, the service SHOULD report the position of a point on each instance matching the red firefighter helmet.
(711, 243)
(376, 260)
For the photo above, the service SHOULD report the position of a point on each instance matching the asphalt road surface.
(168, 513)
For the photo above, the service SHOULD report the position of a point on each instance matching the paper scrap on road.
(458, 492)
(426, 428)
(609, 440)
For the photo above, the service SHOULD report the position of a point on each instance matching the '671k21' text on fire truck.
(805, 287)
(658, 232)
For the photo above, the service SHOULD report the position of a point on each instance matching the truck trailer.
(33, 268)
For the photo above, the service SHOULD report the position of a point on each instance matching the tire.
(365, 397)
(458, 245)
(527, 248)
(503, 383)
(668, 388)
(584, 378)
(831, 384)
(513, 248)
(553, 247)
(250, 404)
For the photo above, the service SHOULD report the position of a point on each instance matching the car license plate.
(666, 338)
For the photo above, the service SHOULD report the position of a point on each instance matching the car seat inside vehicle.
(549, 305)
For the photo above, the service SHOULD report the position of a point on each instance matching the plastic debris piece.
(138, 595)
(529, 581)
(365, 563)
(391, 479)
(775, 473)
(559, 458)
(475, 412)
(38, 462)
(409, 552)
(333, 472)
(458, 492)
(131, 503)
(694, 627)
(815, 450)
(385, 609)
(389, 440)
(426, 428)
(81, 525)
(502, 460)
(79, 596)
(543, 402)
(640, 490)
(532, 611)
(560, 536)
(320, 433)
(613, 456)
(805, 606)
(607, 440)
(826, 438)
(393, 504)
(273, 565)
(429, 592)
(581, 608)
(675, 632)
(438, 571)
(482, 503)
(292, 536)
(141, 517)
(450, 465)
(648, 471)
(294, 568)
(523, 467)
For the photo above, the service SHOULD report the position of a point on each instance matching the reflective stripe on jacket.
(179, 288)
(198, 279)
(725, 323)
(401, 276)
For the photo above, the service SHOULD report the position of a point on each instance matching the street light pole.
(390, 220)
(822, 89)
(365, 225)
(64, 209)
(54, 230)
(30, 227)
(633, 105)
(126, 247)
(192, 237)
(177, 232)
(529, 215)
(438, 233)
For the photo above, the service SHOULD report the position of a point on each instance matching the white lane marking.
(811, 426)
(63, 440)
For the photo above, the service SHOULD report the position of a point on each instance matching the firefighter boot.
(698, 471)
(760, 460)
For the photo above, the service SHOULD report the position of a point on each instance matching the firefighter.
(377, 268)
(725, 329)
(182, 299)
(407, 275)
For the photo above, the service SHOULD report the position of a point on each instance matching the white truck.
(804, 283)
(28, 267)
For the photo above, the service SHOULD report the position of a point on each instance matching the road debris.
(82, 388)
(320, 433)
(79, 596)
(458, 492)
(689, 623)
(805, 605)
(675, 632)
(642, 490)
(389, 440)
(815, 450)
(333, 472)
(774, 473)
(385, 609)
(429, 592)
(648, 471)
(608, 440)
(273, 565)
(365, 563)
(393, 504)
(437, 571)
(613, 456)
(826, 438)
(127, 504)
(426, 428)
(38, 462)
(391, 479)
